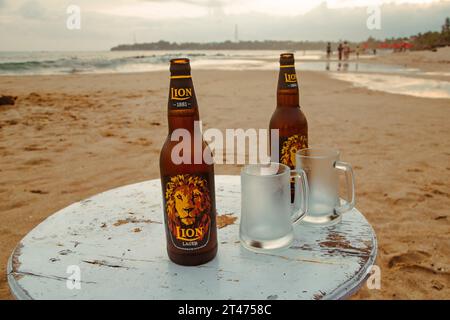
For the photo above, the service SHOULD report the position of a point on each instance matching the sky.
(41, 24)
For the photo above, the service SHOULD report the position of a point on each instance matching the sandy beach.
(70, 137)
(427, 60)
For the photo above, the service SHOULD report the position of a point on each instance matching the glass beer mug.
(322, 166)
(267, 216)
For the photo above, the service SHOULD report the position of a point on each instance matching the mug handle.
(300, 177)
(350, 178)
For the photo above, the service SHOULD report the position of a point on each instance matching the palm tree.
(446, 26)
(445, 38)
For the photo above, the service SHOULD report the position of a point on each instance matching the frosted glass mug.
(267, 216)
(322, 166)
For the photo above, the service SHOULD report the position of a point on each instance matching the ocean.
(381, 77)
(47, 63)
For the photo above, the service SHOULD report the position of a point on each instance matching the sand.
(70, 137)
(431, 61)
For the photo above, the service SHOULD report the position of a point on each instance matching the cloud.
(286, 7)
(104, 25)
(3, 4)
(32, 10)
(207, 3)
(166, 9)
(324, 23)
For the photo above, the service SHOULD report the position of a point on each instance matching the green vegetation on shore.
(432, 40)
(422, 41)
(226, 45)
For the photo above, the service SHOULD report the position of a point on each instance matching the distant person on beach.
(374, 51)
(346, 50)
(328, 50)
(357, 51)
(340, 49)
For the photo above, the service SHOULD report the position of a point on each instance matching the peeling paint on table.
(117, 262)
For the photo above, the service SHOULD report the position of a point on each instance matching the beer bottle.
(188, 186)
(288, 118)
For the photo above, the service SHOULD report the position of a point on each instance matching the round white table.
(113, 246)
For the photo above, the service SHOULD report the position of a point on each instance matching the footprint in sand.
(140, 142)
(107, 134)
(37, 191)
(440, 193)
(36, 162)
(407, 199)
(437, 285)
(14, 205)
(12, 122)
(414, 170)
(435, 191)
(36, 98)
(409, 259)
(34, 147)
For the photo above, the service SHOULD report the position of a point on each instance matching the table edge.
(343, 292)
(15, 288)
(356, 285)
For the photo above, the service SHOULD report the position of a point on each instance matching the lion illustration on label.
(188, 207)
(290, 147)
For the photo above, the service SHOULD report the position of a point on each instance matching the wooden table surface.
(115, 243)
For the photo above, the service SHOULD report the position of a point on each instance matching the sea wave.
(90, 63)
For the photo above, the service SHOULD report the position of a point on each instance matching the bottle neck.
(182, 110)
(287, 92)
(183, 122)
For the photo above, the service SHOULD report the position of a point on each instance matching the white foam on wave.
(436, 73)
(412, 86)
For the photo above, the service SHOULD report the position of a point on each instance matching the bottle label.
(181, 94)
(289, 147)
(188, 210)
(288, 78)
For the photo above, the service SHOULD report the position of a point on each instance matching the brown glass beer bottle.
(288, 118)
(187, 179)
